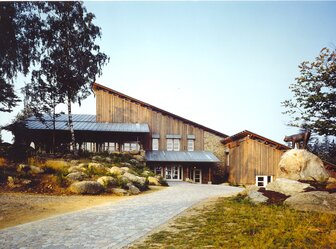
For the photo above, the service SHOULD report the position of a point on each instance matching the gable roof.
(97, 86)
(253, 135)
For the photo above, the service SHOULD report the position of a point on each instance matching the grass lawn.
(235, 223)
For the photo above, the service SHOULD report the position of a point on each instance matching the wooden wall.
(249, 158)
(112, 108)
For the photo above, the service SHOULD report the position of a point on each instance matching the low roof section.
(254, 136)
(83, 122)
(181, 156)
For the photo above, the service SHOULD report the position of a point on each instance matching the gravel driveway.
(114, 225)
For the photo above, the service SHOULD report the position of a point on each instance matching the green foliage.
(234, 223)
(162, 181)
(314, 100)
(324, 149)
(20, 28)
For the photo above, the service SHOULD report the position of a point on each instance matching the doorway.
(197, 176)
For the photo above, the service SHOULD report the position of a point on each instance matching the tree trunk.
(73, 141)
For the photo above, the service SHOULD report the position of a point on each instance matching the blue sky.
(226, 65)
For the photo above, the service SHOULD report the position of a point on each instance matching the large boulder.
(76, 176)
(320, 201)
(135, 179)
(29, 169)
(86, 187)
(107, 181)
(298, 164)
(287, 186)
(132, 189)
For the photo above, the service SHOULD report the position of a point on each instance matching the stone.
(287, 186)
(97, 168)
(319, 201)
(119, 191)
(299, 164)
(86, 187)
(256, 197)
(125, 169)
(133, 178)
(116, 170)
(76, 176)
(77, 168)
(108, 159)
(249, 188)
(331, 179)
(107, 181)
(14, 182)
(153, 181)
(132, 189)
(29, 169)
(126, 165)
(139, 158)
(331, 185)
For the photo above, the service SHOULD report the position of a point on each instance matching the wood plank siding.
(249, 157)
(115, 107)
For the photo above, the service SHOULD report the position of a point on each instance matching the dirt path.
(20, 208)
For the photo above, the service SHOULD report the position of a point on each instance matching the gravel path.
(114, 225)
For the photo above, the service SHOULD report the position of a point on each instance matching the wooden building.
(176, 148)
(251, 158)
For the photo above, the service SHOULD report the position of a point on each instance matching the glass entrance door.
(174, 173)
(197, 176)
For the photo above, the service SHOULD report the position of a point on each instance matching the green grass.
(235, 223)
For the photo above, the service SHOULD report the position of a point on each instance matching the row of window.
(173, 144)
(108, 147)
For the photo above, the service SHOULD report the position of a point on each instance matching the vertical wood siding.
(113, 108)
(249, 158)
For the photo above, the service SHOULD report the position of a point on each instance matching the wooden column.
(209, 174)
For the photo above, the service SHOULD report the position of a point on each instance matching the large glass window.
(130, 146)
(176, 144)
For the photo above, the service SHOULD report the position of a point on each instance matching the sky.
(225, 65)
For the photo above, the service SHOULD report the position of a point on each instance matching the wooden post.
(209, 173)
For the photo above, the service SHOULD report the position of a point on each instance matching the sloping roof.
(98, 86)
(83, 122)
(252, 135)
(181, 156)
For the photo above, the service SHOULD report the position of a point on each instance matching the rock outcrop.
(107, 181)
(320, 201)
(287, 186)
(76, 176)
(298, 164)
(86, 187)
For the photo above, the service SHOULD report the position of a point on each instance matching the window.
(176, 144)
(191, 145)
(169, 144)
(173, 144)
(90, 147)
(155, 144)
(262, 181)
(130, 146)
